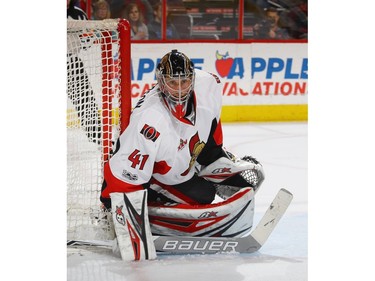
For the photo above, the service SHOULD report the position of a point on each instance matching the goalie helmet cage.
(98, 110)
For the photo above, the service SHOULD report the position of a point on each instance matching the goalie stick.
(212, 245)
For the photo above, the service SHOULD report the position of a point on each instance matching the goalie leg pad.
(229, 218)
(132, 227)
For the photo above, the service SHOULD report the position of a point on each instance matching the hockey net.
(98, 110)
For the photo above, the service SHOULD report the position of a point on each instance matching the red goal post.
(98, 110)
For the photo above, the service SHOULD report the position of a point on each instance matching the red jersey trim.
(218, 134)
(161, 167)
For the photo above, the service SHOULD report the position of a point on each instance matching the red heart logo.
(223, 66)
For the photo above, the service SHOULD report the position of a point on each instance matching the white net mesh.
(93, 110)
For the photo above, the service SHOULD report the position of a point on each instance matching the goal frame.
(108, 113)
(125, 83)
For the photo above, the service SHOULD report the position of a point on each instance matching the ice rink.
(282, 149)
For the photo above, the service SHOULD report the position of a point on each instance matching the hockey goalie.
(169, 173)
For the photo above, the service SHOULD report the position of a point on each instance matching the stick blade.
(272, 216)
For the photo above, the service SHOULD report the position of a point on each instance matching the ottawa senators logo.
(150, 133)
(195, 146)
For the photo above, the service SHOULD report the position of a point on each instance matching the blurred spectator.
(252, 6)
(260, 4)
(269, 27)
(74, 12)
(154, 27)
(101, 10)
(139, 30)
(118, 6)
(292, 13)
(297, 20)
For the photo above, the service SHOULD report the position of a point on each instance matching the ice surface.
(282, 149)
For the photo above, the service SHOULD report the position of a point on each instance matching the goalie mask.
(175, 76)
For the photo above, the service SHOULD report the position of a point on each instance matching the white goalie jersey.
(157, 144)
(173, 147)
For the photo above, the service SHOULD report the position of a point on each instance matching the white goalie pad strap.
(132, 227)
(230, 218)
(224, 168)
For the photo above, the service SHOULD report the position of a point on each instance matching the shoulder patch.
(150, 133)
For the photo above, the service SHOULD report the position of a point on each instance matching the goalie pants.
(194, 191)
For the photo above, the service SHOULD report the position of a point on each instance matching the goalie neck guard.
(175, 75)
